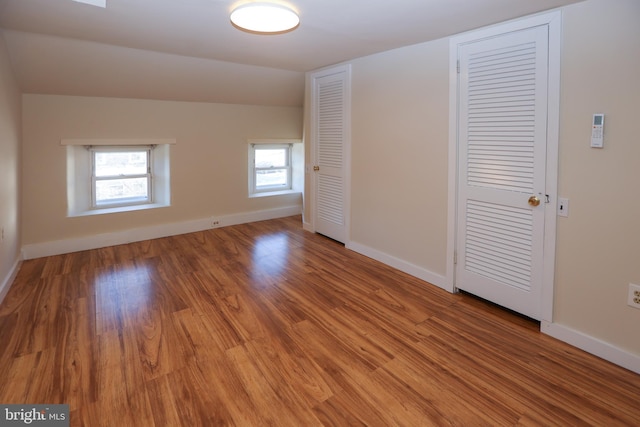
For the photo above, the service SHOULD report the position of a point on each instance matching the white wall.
(399, 166)
(399, 154)
(598, 253)
(208, 163)
(9, 172)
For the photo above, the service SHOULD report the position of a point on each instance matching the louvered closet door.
(330, 138)
(502, 155)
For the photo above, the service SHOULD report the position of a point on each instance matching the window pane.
(122, 163)
(270, 178)
(121, 190)
(275, 157)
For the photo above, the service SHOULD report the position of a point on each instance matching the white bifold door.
(502, 142)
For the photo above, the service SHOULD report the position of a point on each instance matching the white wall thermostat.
(597, 131)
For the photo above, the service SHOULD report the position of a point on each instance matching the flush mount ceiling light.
(264, 18)
(99, 3)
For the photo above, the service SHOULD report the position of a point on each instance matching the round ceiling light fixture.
(264, 17)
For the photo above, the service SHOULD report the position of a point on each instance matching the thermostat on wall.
(597, 131)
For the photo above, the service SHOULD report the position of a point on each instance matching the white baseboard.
(246, 217)
(8, 281)
(402, 265)
(593, 345)
(38, 250)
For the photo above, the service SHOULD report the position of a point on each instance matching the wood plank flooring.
(265, 324)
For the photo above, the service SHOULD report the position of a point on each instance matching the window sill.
(118, 209)
(273, 193)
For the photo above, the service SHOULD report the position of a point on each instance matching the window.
(117, 175)
(120, 176)
(269, 168)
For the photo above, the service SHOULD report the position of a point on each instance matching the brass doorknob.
(534, 201)
(316, 168)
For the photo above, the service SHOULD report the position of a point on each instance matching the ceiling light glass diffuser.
(264, 18)
(99, 3)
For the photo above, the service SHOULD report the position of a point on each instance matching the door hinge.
(458, 66)
(455, 257)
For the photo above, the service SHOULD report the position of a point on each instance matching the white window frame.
(130, 201)
(79, 167)
(253, 170)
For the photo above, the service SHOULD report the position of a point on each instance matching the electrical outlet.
(563, 206)
(215, 222)
(634, 296)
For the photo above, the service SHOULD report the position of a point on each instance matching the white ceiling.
(188, 50)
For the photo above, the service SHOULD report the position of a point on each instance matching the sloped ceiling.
(187, 50)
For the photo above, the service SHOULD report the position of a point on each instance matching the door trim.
(312, 77)
(553, 20)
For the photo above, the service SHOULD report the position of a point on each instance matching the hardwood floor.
(266, 324)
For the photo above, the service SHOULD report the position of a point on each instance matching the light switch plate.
(563, 206)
